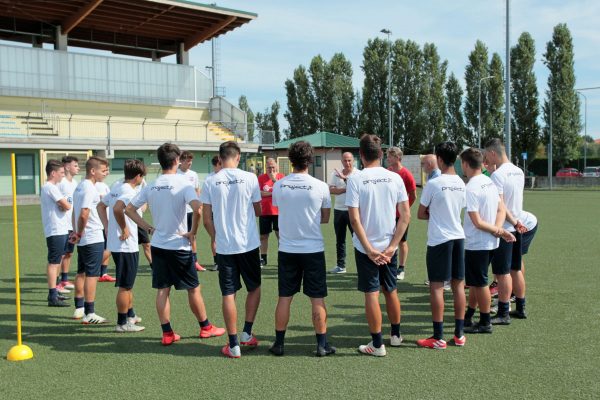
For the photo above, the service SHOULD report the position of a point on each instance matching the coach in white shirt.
(373, 195)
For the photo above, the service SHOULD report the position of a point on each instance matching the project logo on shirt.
(294, 187)
(376, 181)
(231, 182)
(453, 188)
(159, 188)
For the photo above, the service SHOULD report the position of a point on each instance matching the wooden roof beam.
(202, 36)
(70, 22)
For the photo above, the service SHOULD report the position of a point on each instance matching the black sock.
(459, 327)
(121, 318)
(166, 328)
(503, 308)
(88, 308)
(233, 341)
(103, 270)
(78, 302)
(215, 260)
(438, 330)
(396, 330)
(205, 323)
(470, 312)
(130, 313)
(484, 319)
(64, 276)
(52, 294)
(321, 339)
(400, 268)
(279, 337)
(520, 304)
(248, 327)
(377, 339)
(263, 257)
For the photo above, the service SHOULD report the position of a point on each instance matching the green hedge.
(539, 166)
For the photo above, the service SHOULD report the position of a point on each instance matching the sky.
(257, 58)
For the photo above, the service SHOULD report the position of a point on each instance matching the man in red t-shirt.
(394, 161)
(269, 219)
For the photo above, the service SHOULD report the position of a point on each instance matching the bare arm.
(423, 212)
(325, 214)
(63, 204)
(264, 193)
(257, 209)
(101, 208)
(511, 219)
(81, 224)
(412, 196)
(131, 212)
(209, 225)
(375, 256)
(401, 225)
(336, 190)
(119, 215)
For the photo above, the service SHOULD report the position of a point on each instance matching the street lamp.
(479, 115)
(585, 131)
(389, 82)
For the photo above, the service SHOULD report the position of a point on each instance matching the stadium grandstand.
(55, 100)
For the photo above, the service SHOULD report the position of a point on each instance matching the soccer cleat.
(432, 343)
(56, 302)
(518, 314)
(106, 278)
(62, 297)
(134, 320)
(513, 298)
(468, 322)
(60, 288)
(79, 313)
(129, 327)
(263, 262)
(276, 349)
(231, 352)
(337, 270)
(400, 276)
(371, 350)
(68, 285)
(214, 268)
(459, 341)
(248, 340)
(93, 319)
(447, 286)
(477, 328)
(325, 351)
(199, 267)
(494, 289)
(499, 320)
(211, 331)
(396, 341)
(169, 338)
(427, 282)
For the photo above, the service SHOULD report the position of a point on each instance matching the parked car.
(568, 173)
(591, 172)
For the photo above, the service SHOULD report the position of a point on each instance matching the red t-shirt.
(409, 182)
(266, 185)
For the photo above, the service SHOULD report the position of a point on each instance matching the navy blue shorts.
(173, 268)
(508, 256)
(527, 239)
(446, 261)
(268, 224)
(189, 217)
(143, 237)
(56, 248)
(373, 277)
(126, 265)
(89, 259)
(477, 264)
(307, 269)
(69, 247)
(232, 267)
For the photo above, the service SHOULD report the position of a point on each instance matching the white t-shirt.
(528, 219)
(67, 188)
(167, 197)
(231, 193)
(102, 188)
(54, 219)
(300, 198)
(86, 196)
(125, 193)
(510, 181)
(483, 197)
(340, 199)
(191, 177)
(376, 192)
(445, 197)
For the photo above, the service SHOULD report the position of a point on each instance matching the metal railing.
(228, 115)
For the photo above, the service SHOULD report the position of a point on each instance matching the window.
(317, 161)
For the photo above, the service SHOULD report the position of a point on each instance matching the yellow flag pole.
(19, 352)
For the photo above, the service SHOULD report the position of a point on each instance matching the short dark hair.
(215, 161)
(95, 162)
(229, 149)
(186, 155)
(134, 168)
(300, 154)
(370, 147)
(69, 159)
(53, 165)
(473, 157)
(447, 152)
(496, 146)
(167, 155)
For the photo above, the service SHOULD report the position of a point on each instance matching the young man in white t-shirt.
(172, 261)
(216, 166)
(506, 265)
(231, 203)
(88, 235)
(341, 220)
(304, 204)
(56, 227)
(67, 186)
(483, 227)
(122, 241)
(373, 195)
(185, 169)
(104, 190)
(442, 201)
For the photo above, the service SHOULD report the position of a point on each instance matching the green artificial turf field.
(553, 354)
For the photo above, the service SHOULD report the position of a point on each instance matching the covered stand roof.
(143, 28)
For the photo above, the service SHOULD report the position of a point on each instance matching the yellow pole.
(19, 352)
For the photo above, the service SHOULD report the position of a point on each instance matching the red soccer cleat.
(249, 340)
(169, 338)
(432, 343)
(106, 278)
(231, 353)
(211, 331)
(460, 341)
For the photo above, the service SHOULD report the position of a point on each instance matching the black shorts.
(527, 239)
(372, 277)
(173, 268)
(507, 256)
(126, 265)
(69, 247)
(232, 266)
(143, 237)
(477, 263)
(268, 224)
(89, 259)
(296, 268)
(446, 261)
(189, 217)
(56, 248)
(405, 236)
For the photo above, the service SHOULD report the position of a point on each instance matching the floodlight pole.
(507, 135)
(550, 144)
(479, 115)
(389, 84)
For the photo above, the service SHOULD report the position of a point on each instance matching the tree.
(494, 120)
(374, 116)
(243, 104)
(300, 113)
(525, 107)
(561, 96)
(455, 128)
(476, 70)
(268, 121)
(433, 81)
(340, 72)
